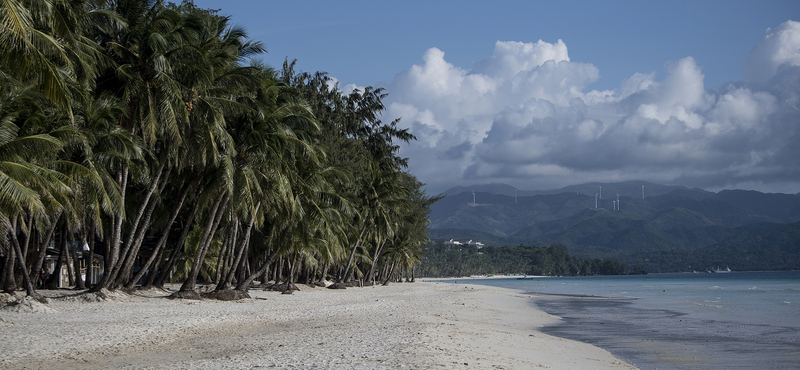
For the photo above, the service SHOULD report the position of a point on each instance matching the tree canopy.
(146, 140)
(457, 260)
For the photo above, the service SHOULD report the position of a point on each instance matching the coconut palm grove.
(143, 143)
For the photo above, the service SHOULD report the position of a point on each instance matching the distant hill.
(779, 207)
(502, 215)
(496, 188)
(630, 189)
(681, 220)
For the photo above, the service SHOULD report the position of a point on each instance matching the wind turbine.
(595, 200)
(617, 201)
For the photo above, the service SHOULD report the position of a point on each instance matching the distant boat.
(720, 271)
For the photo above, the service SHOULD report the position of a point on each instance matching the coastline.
(678, 320)
(419, 325)
(486, 277)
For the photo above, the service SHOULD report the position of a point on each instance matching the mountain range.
(659, 227)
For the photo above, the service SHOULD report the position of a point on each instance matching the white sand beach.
(415, 326)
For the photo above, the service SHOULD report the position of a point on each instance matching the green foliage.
(114, 116)
(442, 260)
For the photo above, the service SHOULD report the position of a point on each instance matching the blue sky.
(637, 89)
(368, 42)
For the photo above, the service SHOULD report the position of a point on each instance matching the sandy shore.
(415, 326)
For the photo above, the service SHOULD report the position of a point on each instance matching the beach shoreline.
(485, 277)
(420, 325)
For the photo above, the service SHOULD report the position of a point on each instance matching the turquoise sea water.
(740, 320)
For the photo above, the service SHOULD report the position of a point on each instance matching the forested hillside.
(667, 229)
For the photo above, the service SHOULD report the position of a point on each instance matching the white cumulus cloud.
(779, 47)
(524, 115)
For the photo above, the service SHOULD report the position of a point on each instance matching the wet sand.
(668, 339)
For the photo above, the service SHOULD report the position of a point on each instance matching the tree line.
(151, 132)
(701, 260)
(447, 260)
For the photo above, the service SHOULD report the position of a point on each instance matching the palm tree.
(404, 249)
(46, 54)
(123, 112)
(90, 161)
(142, 78)
(276, 162)
(29, 144)
(378, 201)
(28, 52)
(221, 88)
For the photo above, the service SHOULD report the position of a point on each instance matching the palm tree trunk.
(151, 271)
(214, 218)
(112, 251)
(244, 243)
(173, 258)
(324, 272)
(9, 281)
(264, 275)
(30, 270)
(312, 274)
(10, 278)
(223, 260)
(261, 271)
(375, 262)
(116, 240)
(391, 272)
(162, 242)
(383, 273)
(303, 272)
(279, 271)
(42, 253)
(138, 228)
(89, 257)
(136, 224)
(55, 275)
(244, 268)
(353, 254)
(67, 253)
(29, 289)
(247, 263)
(276, 273)
(123, 273)
(290, 276)
(76, 267)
